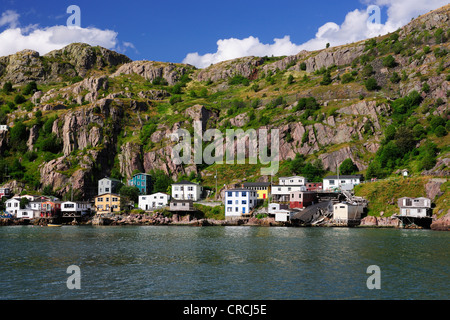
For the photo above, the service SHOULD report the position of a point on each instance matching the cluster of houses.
(285, 199)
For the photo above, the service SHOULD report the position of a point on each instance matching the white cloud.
(46, 39)
(10, 18)
(354, 28)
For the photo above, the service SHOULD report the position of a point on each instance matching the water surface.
(254, 263)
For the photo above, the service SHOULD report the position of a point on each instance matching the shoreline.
(124, 221)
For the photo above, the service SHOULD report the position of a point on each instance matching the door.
(243, 210)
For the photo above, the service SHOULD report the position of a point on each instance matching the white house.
(3, 127)
(75, 208)
(341, 182)
(186, 190)
(293, 181)
(154, 201)
(107, 185)
(28, 213)
(35, 205)
(284, 215)
(283, 192)
(239, 202)
(12, 206)
(345, 212)
(415, 207)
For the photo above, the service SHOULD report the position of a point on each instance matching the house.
(415, 207)
(186, 190)
(239, 202)
(12, 206)
(75, 209)
(302, 199)
(154, 201)
(314, 186)
(405, 172)
(273, 207)
(181, 205)
(293, 181)
(262, 189)
(50, 208)
(341, 182)
(143, 182)
(282, 193)
(347, 212)
(3, 127)
(28, 213)
(5, 192)
(284, 215)
(107, 203)
(108, 185)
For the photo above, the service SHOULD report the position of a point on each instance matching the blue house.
(143, 182)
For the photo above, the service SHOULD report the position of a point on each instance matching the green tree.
(395, 78)
(371, 84)
(389, 62)
(347, 167)
(30, 88)
(7, 87)
(440, 131)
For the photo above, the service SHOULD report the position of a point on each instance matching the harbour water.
(226, 263)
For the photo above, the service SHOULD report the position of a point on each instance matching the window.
(115, 199)
(175, 188)
(244, 194)
(230, 202)
(106, 189)
(107, 199)
(69, 205)
(230, 194)
(229, 209)
(143, 198)
(236, 209)
(244, 201)
(190, 188)
(331, 182)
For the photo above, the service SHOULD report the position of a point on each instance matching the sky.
(201, 32)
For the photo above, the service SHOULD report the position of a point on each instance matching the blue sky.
(170, 30)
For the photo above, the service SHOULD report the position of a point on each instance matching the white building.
(154, 201)
(284, 215)
(35, 205)
(293, 181)
(12, 206)
(239, 202)
(28, 213)
(283, 192)
(345, 212)
(3, 127)
(186, 190)
(341, 182)
(415, 207)
(107, 185)
(75, 208)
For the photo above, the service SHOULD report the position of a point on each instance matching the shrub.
(18, 99)
(371, 84)
(30, 88)
(326, 80)
(395, 78)
(440, 131)
(303, 66)
(426, 87)
(389, 62)
(238, 79)
(346, 78)
(7, 87)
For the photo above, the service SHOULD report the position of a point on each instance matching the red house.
(50, 208)
(302, 199)
(314, 186)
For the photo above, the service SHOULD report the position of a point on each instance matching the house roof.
(239, 189)
(256, 184)
(104, 194)
(358, 176)
(185, 182)
(112, 179)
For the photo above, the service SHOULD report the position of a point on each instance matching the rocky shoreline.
(442, 224)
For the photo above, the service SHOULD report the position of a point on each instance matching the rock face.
(334, 56)
(151, 70)
(74, 60)
(245, 67)
(380, 222)
(442, 224)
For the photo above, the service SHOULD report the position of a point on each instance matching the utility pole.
(216, 185)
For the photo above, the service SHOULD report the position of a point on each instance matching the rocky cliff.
(95, 112)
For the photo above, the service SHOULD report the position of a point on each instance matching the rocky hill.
(81, 113)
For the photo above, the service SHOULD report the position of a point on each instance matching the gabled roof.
(185, 182)
(356, 176)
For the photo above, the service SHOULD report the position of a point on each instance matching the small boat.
(54, 225)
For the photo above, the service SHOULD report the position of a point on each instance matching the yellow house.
(262, 189)
(107, 202)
